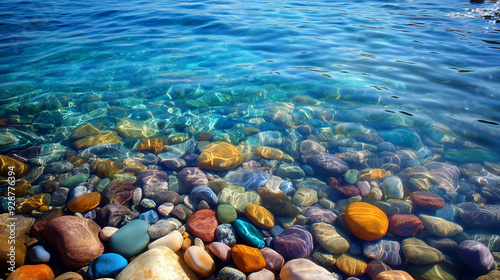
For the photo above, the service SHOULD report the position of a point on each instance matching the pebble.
(69, 276)
(249, 233)
(221, 250)
(304, 269)
(274, 261)
(150, 216)
(384, 250)
(199, 261)
(136, 231)
(405, 224)
(106, 233)
(351, 265)
(192, 177)
(476, 256)
(229, 273)
(226, 234)
(172, 240)
(112, 215)
(38, 254)
(317, 214)
(204, 193)
(160, 263)
(220, 156)
(263, 274)
(148, 203)
(427, 200)
(305, 197)
(247, 259)
(394, 275)
(202, 224)
(440, 227)
(163, 227)
(366, 221)
(260, 216)
(392, 187)
(106, 265)
(237, 197)
(418, 252)
(294, 242)
(330, 238)
(226, 213)
(165, 209)
(37, 271)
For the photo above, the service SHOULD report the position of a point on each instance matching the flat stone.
(383, 250)
(76, 239)
(159, 263)
(440, 227)
(330, 238)
(84, 202)
(220, 250)
(37, 271)
(9, 164)
(287, 171)
(120, 242)
(442, 271)
(192, 177)
(351, 265)
(154, 184)
(445, 245)
(304, 269)
(405, 224)
(112, 215)
(32, 203)
(294, 242)
(418, 252)
(305, 197)
(238, 198)
(317, 214)
(250, 178)
(229, 273)
(220, 156)
(393, 275)
(106, 233)
(475, 215)
(392, 187)
(226, 213)
(118, 192)
(263, 274)
(202, 224)
(276, 201)
(134, 129)
(327, 164)
(427, 200)
(249, 233)
(106, 265)
(163, 227)
(205, 193)
(394, 206)
(476, 256)
(274, 261)
(226, 234)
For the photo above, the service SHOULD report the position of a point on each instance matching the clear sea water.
(419, 62)
(423, 74)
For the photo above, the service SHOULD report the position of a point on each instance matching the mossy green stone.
(74, 180)
(226, 213)
(130, 239)
(249, 233)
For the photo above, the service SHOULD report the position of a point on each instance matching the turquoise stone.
(74, 180)
(130, 239)
(471, 155)
(106, 265)
(351, 176)
(249, 233)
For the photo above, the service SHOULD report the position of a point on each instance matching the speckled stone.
(294, 242)
(163, 227)
(229, 273)
(427, 200)
(226, 234)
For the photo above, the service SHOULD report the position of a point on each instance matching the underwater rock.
(330, 238)
(220, 156)
(10, 167)
(405, 224)
(366, 221)
(247, 259)
(304, 269)
(294, 242)
(260, 216)
(351, 265)
(475, 215)
(112, 215)
(106, 137)
(384, 250)
(133, 129)
(192, 177)
(238, 197)
(202, 224)
(418, 252)
(249, 233)
(427, 200)
(327, 164)
(475, 255)
(249, 178)
(440, 227)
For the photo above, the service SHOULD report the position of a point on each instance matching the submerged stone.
(366, 221)
(220, 156)
(294, 242)
(249, 233)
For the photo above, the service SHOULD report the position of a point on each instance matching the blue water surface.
(416, 63)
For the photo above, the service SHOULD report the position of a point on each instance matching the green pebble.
(226, 213)
(74, 180)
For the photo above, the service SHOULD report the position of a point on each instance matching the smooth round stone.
(405, 224)
(150, 216)
(394, 206)
(304, 269)
(160, 263)
(202, 224)
(305, 197)
(475, 255)
(260, 216)
(427, 200)
(192, 177)
(181, 212)
(375, 267)
(249, 233)
(418, 252)
(249, 178)
(287, 171)
(107, 265)
(38, 254)
(440, 227)
(199, 261)
(329, 238)
(351, 265)
(364, 187)
(136, 231)
(204, 193)
(294, 242)
(78, 191)
(474, 215)
(375, 194)
(366, 221)
(19, 168)
(351, 176)
(220, 156)
(148, 203)
(220, 250)
(263, 274)
(392, 187)
(76, 239)
(226, 213)
(33, 203)
(74, 180)
(172, 240)
(106, 233)
(320, 215)
(383, 250)
(226, 234)
(229, 273)
(35, 272)
(394, 275)
(348, 190)
(247, 259)
(69, 276)
(274, 261)
(163, 227)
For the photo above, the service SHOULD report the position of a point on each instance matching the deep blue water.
(420, 61)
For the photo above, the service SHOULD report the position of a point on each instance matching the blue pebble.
(107, 265)
(92, 214)
(77, 191)
(308, 170)
(268, 241)
(287, 188)
(205, 193)
(150, 216)
(276, 230)
(38, 254)
(316, 123)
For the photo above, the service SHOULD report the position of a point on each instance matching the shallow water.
(423, 75)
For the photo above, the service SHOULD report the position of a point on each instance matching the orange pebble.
(247, 259)
(32, 272)
(186, 243)
(366, 221)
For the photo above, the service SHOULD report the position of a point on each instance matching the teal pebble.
(74, 180)
(129, 240)
(351, 176)
(249, 233)
(392, 187)
(106, 265)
